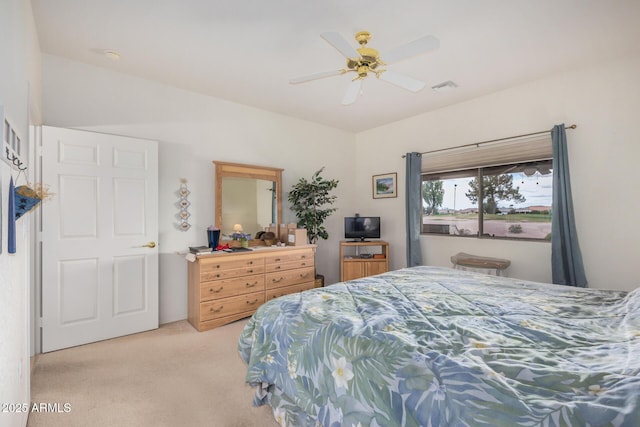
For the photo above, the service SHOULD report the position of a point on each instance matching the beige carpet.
(173, 376)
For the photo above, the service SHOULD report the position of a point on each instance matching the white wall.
(603, 101)
(19, 99)
(193, 130)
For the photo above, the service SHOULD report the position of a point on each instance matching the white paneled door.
(99, 237)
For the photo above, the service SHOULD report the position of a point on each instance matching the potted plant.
(310, 200)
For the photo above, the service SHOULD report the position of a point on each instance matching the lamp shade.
(237, 228)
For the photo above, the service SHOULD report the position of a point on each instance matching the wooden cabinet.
(225, 287)
(362, 259)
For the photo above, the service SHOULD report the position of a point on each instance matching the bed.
(433, 346)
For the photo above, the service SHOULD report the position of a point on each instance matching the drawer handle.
(304, 275)
(218, 275)
(250, 262)
(277, 280)
(251, 285)
(217, 265)
(252, 302)
(278, 267)
(217, 290)
(303, 264)
(277, 259)
(303, 257)
(211, 310)
(250, 271)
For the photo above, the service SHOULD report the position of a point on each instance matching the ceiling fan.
(366, 60)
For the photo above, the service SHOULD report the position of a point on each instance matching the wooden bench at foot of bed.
(465, 261)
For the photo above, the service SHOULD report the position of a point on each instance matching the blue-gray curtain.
(413, 208)
(566, 259)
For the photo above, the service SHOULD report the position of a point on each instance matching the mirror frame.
(239, 170)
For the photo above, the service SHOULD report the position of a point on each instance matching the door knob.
(149, 245)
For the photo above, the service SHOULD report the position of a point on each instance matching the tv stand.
(355, 266)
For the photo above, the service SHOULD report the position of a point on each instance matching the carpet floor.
(171, 376)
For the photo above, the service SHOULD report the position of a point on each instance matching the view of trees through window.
(513, 201)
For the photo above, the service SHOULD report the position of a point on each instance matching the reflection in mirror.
(247, 195)
(248, 202)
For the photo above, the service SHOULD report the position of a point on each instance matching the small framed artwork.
(385, 186)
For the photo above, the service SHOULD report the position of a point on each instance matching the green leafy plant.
(310, 200)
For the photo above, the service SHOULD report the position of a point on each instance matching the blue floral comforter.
(432, 346)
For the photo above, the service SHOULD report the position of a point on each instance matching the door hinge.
(40, 322)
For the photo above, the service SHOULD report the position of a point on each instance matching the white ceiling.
(247, 50)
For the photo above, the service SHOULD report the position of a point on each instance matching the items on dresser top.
(200, 250)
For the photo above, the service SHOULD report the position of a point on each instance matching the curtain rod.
(477, 144)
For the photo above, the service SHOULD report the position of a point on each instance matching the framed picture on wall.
(385, 186)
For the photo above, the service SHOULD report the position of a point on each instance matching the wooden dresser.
(225, 287)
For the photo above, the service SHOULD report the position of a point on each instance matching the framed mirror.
(247, 195)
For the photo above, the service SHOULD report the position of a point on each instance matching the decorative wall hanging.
(12, 148)
(184, 204)
(385, 186)
(13, 160)
(26, 198)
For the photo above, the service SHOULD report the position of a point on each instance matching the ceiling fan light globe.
(363, 71)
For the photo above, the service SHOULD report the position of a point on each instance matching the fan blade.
(316, 76)
(408, 50)
(405, 82)
(352, 92)
(336, 40)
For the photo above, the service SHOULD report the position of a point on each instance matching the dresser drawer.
(229, 306)
(289, 265)
(289, 277)
(231, 287)
(289, 260)
(228, 274)
(216, 268)
(286, 290)
(229, 262)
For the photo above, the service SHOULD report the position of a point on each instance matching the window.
(514, 200)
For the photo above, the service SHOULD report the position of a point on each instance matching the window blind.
(517, 150)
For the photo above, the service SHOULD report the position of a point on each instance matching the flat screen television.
(362, 227)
